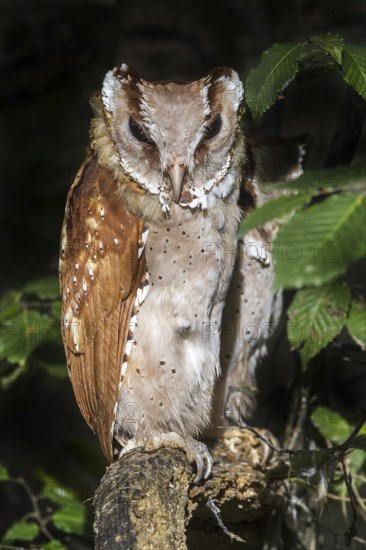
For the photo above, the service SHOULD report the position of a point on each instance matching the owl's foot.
(196, 451)
(255, 447)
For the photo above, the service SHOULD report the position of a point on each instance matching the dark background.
(54, 54)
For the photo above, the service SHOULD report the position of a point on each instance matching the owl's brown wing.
(100, 272)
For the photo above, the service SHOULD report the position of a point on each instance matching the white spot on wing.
(90, 270)
(124, 369)
(92, 223)
(130, 341)
(143, 290)
(142, 243)
(75, 332)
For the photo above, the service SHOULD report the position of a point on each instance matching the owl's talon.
(131, 445)
(202, 459)
(199, 465)
(209, 466)
(196, 451)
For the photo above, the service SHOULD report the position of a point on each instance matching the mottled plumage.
(148, 250)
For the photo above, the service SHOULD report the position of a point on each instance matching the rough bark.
(141, 502)
(148, 501)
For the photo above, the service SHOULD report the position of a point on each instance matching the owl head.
(175, 140)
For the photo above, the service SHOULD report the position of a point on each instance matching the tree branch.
(148, 500)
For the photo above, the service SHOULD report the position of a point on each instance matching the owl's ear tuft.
(114, 85)
(232, 88)
(226, 82)
(111, 90)
(126, 73)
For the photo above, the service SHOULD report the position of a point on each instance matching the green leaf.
(70, 518)
(331, 425)
(4, 474)
(46, 289)
(58, 494)
(331, 44)
(320, 242)
(10, 305)
(341, 177)
(354, 68)
(278, 66)
(273, 210)
(21, 531)
(357, 461)
(356, 323)
(23, 333)
(316, 316)
(53, 545)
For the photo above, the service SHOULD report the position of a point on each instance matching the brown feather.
(99, 275)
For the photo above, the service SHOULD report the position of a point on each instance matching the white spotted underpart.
(170, 372)
(171, 361)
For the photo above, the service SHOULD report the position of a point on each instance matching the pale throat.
(200, 195)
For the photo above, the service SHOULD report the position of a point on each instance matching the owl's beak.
(176, 173)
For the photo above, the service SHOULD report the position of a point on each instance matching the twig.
(216, 512)
(352, 531)
(301, 417)
(340, 498)
(36, 510)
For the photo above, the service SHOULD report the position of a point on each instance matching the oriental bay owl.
(148, 250)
